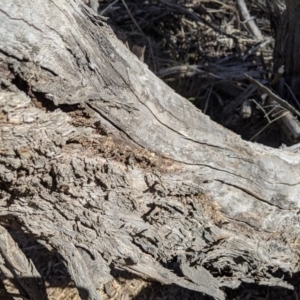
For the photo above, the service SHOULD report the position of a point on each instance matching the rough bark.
(104, 162)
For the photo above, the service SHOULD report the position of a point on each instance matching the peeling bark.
(104, 162)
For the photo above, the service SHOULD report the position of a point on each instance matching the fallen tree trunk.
(104, 162)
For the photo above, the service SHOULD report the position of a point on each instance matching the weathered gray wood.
(102, 159)
(24, 271)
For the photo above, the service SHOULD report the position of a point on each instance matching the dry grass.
(203, 50)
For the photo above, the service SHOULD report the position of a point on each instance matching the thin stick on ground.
(248, 21)
(132, 18)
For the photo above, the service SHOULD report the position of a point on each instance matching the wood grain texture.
(106, 163)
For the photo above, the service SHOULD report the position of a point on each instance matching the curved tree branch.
(106, 163)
